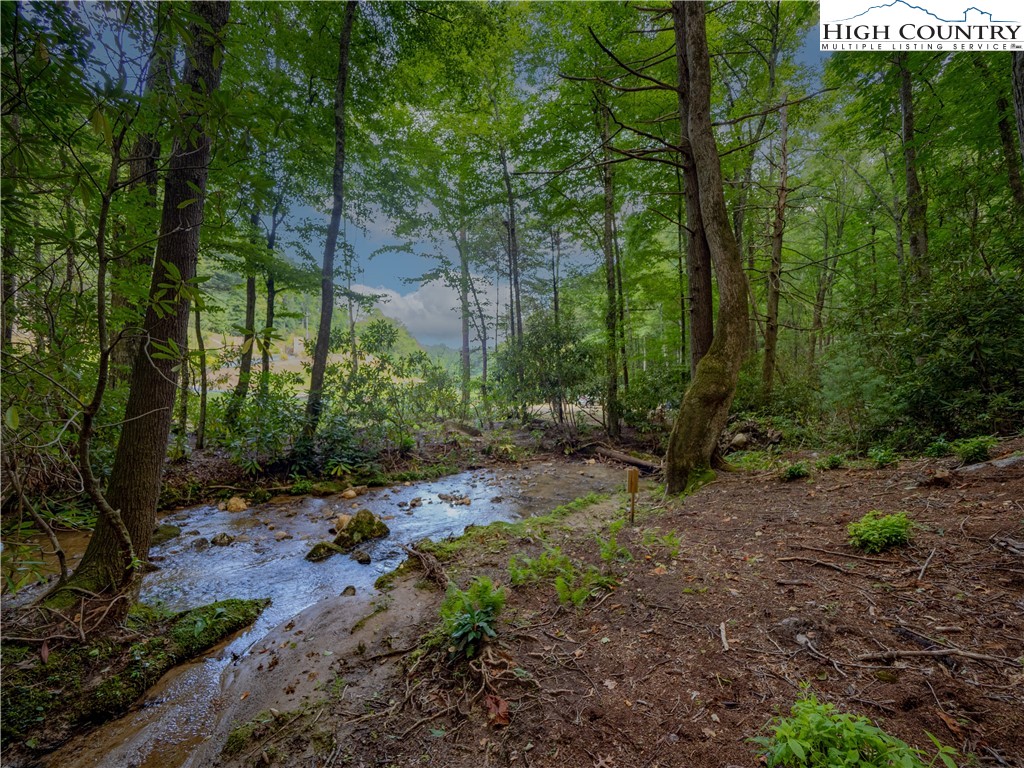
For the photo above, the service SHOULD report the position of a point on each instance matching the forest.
(364, 318)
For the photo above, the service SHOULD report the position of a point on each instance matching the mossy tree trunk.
(705, 406)
(107, 565)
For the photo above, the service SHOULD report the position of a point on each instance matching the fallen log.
(625, 458)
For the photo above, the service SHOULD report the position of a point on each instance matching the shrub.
(973, 450)
(835, 461)
(815, 735)
(796, 471)
(876, 532)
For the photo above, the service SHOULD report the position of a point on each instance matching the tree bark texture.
(314, 403)
(134, 484)
(705, 406)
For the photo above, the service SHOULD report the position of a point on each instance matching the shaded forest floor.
(703, 641)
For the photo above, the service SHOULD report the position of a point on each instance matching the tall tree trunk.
(705, 406)
(248, 342)
(681, 273)
(268, 327)
(698, 253)
(314, 402)
(623, 355)
(1018, 97)
(513, 243)
(917, 205)
(771, 329)
(612, 412)
(203, 383)
(556, 261)
(463, 248)
(182, 403)
(134, 484)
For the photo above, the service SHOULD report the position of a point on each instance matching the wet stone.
(222, 539)
(348, 591)
(361, 557)
(200, 544)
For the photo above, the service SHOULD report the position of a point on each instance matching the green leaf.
(797, 748)
(11, 417)
(186, 203)
(101, 125)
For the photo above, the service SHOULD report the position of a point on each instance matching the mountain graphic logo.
(984, 17)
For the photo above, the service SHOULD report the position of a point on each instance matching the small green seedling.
(876, 532)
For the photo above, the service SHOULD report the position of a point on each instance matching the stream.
(267, 559)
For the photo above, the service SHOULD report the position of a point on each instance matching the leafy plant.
(815, 735)
(832, 461)
(467, 617)
(973, 450)
(795, 471)
(938, 448)
(876, 532)
(669, 541)
(575, 588)
(882, 457)
(610, 549)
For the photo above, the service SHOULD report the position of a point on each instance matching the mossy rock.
(327, 487)
(164, 533)
(322, 550)
(90, 683)
(363, 527)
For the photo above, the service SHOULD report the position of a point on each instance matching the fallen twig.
(725, 640)
(925, 566)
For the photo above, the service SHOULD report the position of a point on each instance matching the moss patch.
(363, 527)
(322, 550)
(495, 537)
(89, 683)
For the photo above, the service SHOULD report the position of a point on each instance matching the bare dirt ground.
(698, 647)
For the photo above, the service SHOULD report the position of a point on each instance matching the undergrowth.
(815, 735)
(876, 532)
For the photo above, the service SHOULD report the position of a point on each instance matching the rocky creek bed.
(260, 552)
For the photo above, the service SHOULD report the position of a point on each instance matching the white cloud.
(430, 312)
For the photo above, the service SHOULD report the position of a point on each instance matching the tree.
(110, 564)
(705, 405)
(323, 337)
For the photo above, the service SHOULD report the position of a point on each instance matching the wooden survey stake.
(632, 487)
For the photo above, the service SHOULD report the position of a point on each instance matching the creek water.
(267, 559)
